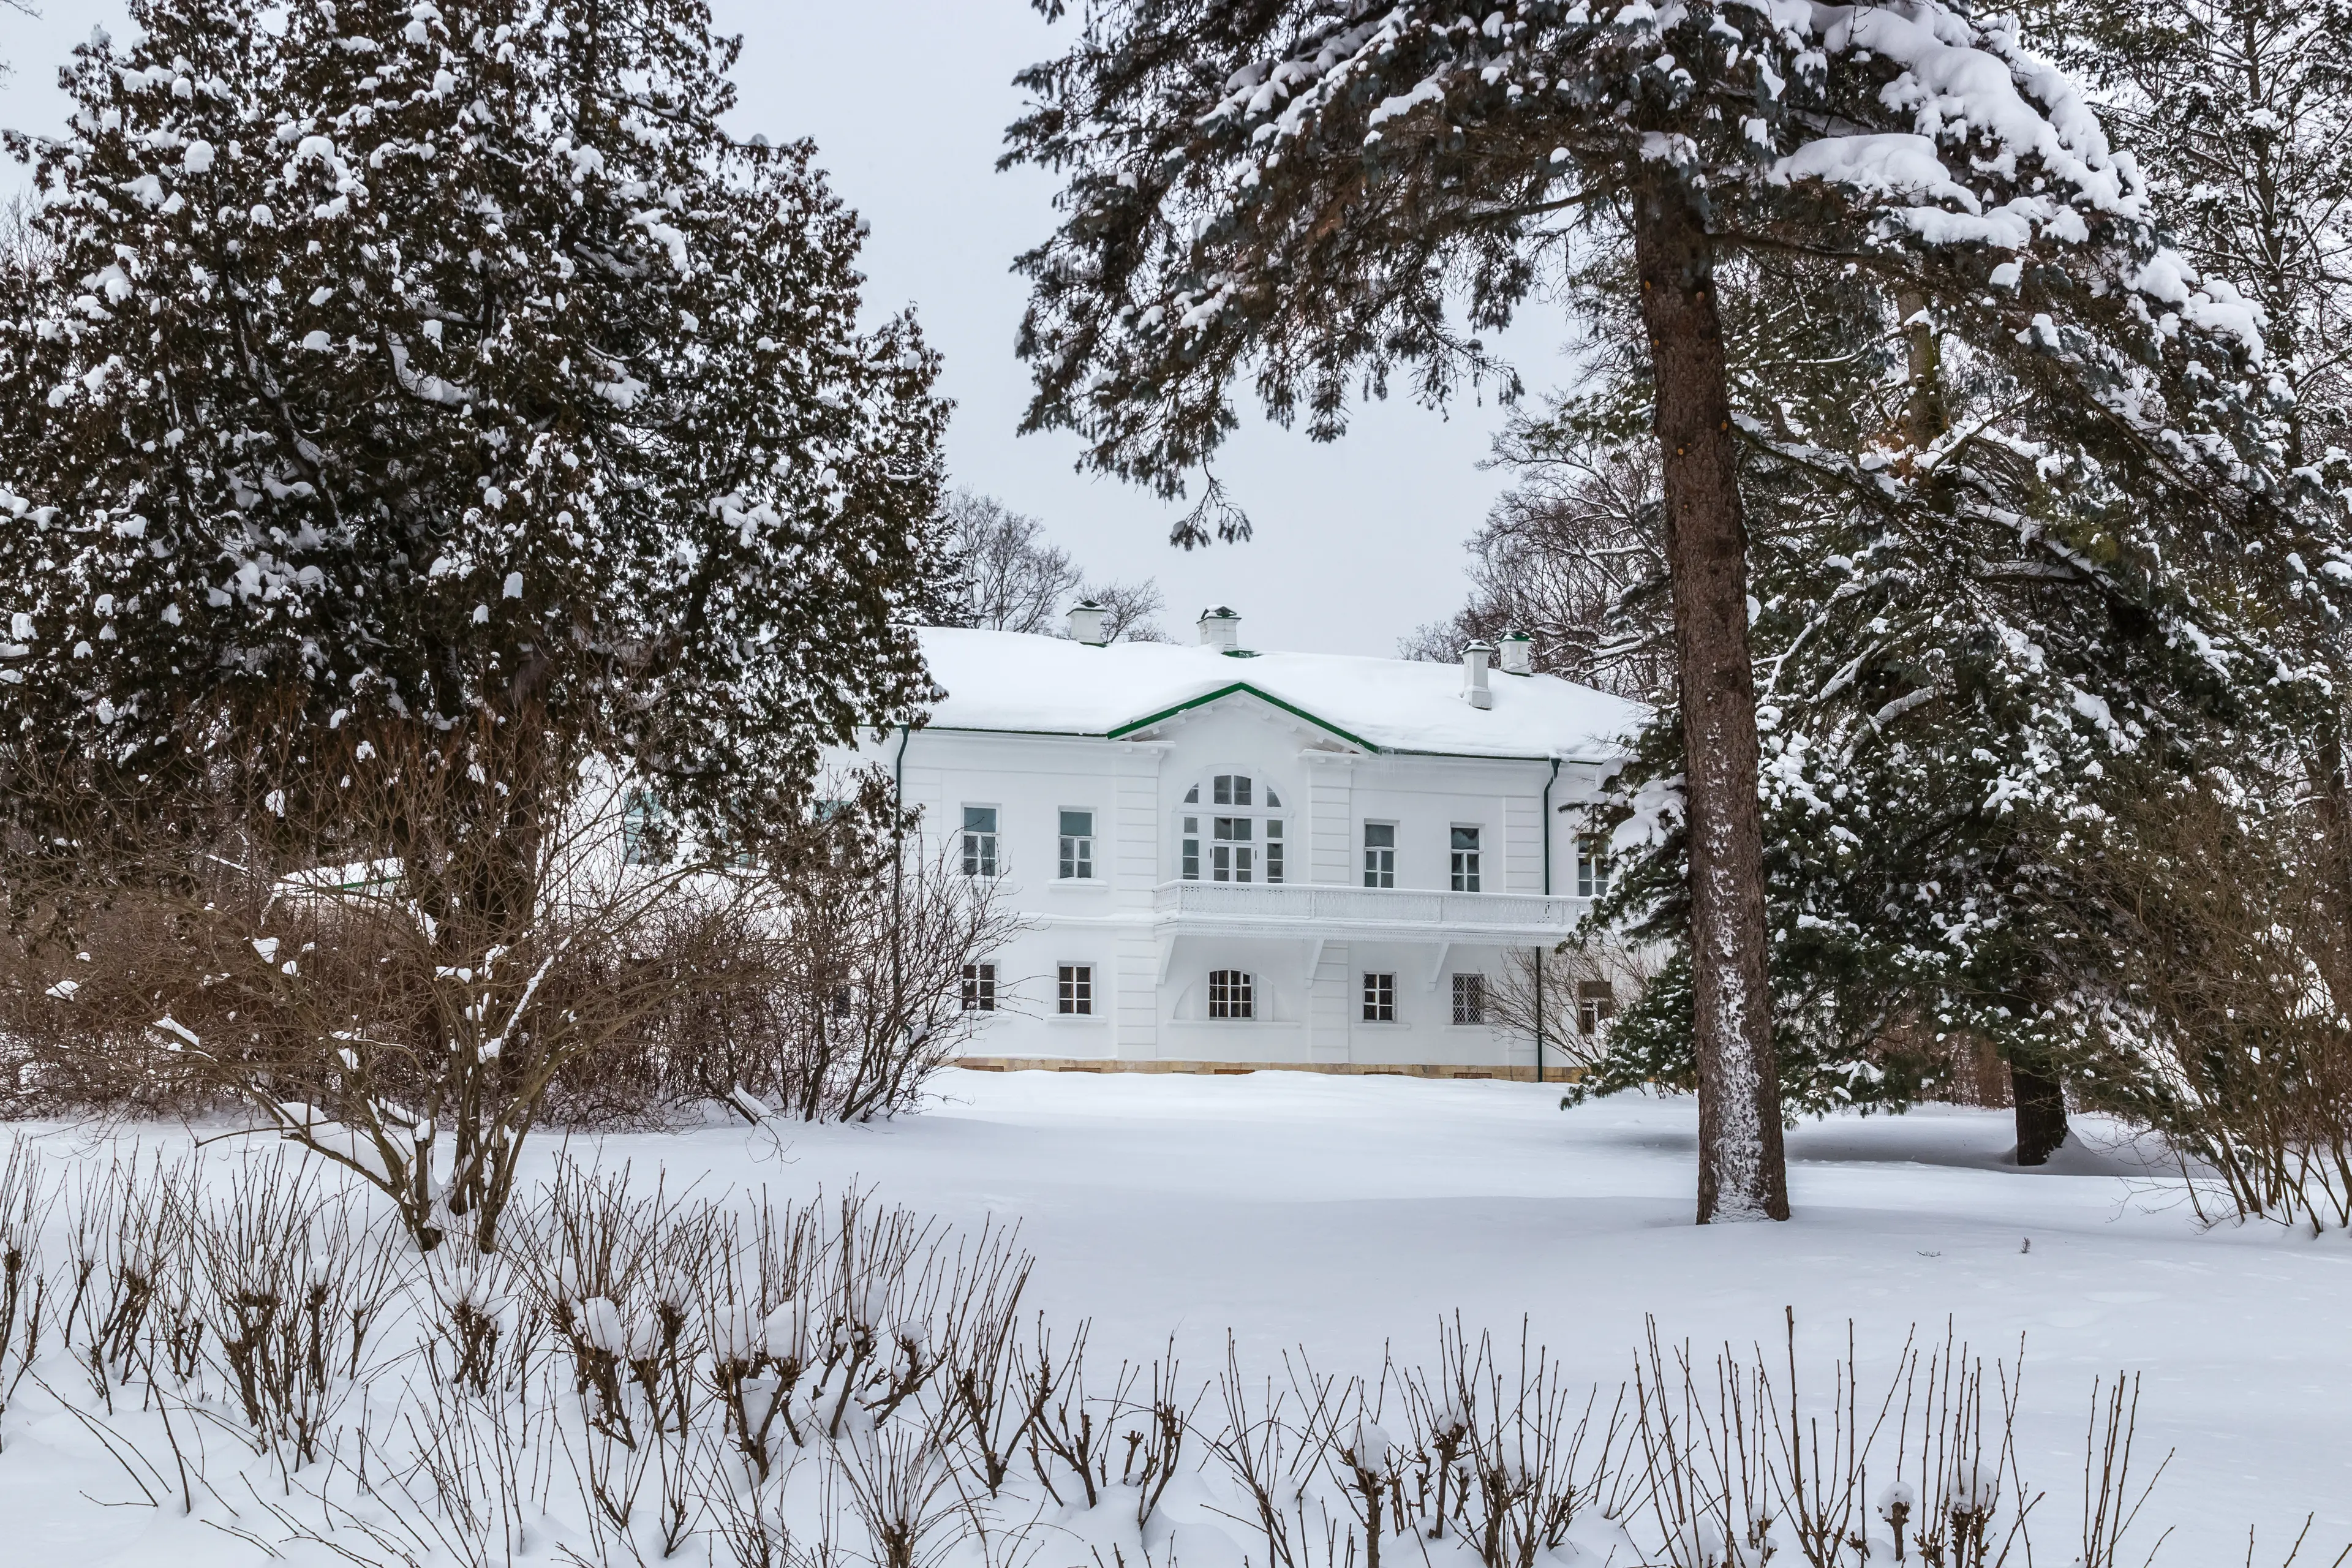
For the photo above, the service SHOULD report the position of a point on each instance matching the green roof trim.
(1243, 686)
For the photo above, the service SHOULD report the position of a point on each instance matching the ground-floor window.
(979, 988)
(1077, 988)
(1233, 994)
(1379, 998)
(1596, 1003)
(1469, 998)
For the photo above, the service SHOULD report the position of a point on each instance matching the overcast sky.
(1357, 543)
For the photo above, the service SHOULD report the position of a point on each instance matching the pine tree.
(1318, 194)
(446, 367)
(2244, 109)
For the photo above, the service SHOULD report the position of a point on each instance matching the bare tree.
(1564, 998)
(24, 249)
(1014, 579)
(1574, 556)
(21, 8)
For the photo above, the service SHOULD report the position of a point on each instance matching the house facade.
(1224, 857)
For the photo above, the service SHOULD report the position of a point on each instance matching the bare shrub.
(295, 1284)
(2229, 1032)
(25, 1199)
(860, 942)
(643, 1375)
(403, 1017)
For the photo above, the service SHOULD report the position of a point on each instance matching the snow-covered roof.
(1022, 682)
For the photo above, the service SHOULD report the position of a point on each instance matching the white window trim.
(1485, 1019)
(963, 832)
(1480, 829)
(1094, 839)
(1258, 813)
(1094, 1013)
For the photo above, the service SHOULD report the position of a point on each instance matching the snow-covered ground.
(1349, 1213)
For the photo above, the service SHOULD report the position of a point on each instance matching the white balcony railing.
(1311, 909)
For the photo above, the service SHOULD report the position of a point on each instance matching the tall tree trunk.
(2040, 1096)
(1742, 1172)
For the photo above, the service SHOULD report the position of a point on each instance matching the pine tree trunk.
(1742, 1173)
(2041, 1099)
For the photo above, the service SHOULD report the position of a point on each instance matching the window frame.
(1074, 858)
(1465, 866)
(1380, 873)
(1379, 996)
(1074, 990)
(1596, 1003)
(1469, 999)
(642, 823)
(1595, 865)
(982, 854)
(1233, 995)
(979, 992)
(1247, 837)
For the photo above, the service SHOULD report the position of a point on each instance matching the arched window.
(1244, 841)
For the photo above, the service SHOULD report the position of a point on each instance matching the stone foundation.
(1357, 1069)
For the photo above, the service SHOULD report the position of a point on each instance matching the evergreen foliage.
(1317, 196)
(445, 366)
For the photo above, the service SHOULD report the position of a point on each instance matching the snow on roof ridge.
(1027, 682)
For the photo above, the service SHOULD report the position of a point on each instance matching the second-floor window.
(1465, 860)
(1379, 854)
(1233, 857)
(1591, 865)
(644, 829)
(979, 841)
(1245, 841)
(1077, 845)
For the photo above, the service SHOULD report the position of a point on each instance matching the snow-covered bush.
(732, 1380)
(405, 1018)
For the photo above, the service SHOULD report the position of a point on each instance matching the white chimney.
(1518, 654)
(1086, 623)
(1474, 674)
(1220, 629)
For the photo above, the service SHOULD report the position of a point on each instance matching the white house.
(1226, 856)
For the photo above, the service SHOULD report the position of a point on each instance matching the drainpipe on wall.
(1548, 782)
(899, 874)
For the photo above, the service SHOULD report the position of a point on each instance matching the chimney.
(1474, 674)
(1518, 654)
(1086, 623)
(1220, 629)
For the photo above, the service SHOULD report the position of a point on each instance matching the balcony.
(1322, 913)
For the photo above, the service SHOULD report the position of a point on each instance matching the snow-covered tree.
(1317, 195)
(446, 367)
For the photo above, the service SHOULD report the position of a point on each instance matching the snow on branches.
(426, 362)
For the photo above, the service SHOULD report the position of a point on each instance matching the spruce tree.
(445, 369)
(1315, 195)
